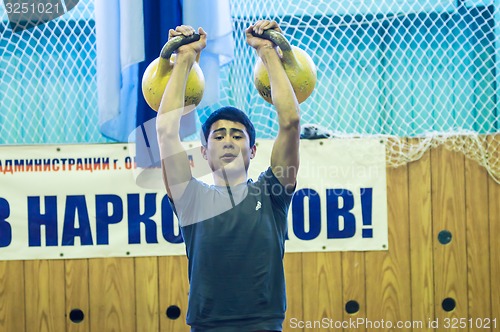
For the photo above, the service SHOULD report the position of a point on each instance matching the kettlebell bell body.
(298, 65)
(157, 75)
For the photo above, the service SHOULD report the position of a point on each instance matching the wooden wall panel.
(77, 294)
(421, 250)
(388, 286)
(12, 305)
(494, 231)
(44, 295)
(477, 241)
(112, 296)
(448, 213)
(293, 276)
(353, 286)
(174, 288)
(146, 294)
(322, 286)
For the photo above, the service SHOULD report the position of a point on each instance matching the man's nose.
(228, 142)
(228, 145)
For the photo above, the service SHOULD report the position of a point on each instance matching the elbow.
(291, 122)
(166, 134)
(288, 113)
(168, 123)
(167, 128)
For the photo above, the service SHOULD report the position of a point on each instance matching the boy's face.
(228, 147)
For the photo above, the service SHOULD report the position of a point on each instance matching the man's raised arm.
(285, 153)
(175, 165)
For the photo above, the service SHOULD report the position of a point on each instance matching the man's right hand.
(193, 48)
(259, 27)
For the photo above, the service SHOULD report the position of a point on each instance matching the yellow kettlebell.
(157, 74)
(298, 65)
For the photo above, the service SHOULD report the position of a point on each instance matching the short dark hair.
(232, 114)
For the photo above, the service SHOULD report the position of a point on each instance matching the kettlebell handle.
(176, 42)
(279, 40)
(276, 37)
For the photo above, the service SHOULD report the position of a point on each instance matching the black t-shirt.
(235, 239)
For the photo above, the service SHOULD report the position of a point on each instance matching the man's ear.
(203, 150)
(253, 151)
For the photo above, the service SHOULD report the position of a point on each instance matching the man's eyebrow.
(237, 130)
(231, 129)
(217, 130)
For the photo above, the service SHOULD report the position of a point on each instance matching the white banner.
(81, 201)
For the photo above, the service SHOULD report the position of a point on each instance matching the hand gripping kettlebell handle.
(276, 37)
(176, 42)
(279, 40)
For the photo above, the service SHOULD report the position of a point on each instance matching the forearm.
(172, 102)
(175, 166)
(282, 94)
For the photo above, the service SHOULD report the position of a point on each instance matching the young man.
(234, 230)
